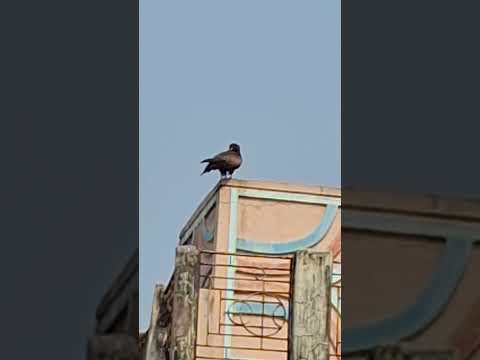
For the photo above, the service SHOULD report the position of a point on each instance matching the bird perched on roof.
(226, 162)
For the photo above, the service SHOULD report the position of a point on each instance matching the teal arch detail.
(289, 247)
(417, 317)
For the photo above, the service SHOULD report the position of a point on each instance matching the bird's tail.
(207, 168)
(205, 161)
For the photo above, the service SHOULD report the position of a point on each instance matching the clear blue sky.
(265, 74)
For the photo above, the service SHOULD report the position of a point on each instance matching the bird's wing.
(222, 157)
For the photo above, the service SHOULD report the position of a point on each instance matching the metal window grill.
(244, 307)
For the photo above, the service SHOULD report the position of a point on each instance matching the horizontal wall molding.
(409, 225)
(285, 196)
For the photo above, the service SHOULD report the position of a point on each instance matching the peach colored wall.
(276, 221)
(261, 220)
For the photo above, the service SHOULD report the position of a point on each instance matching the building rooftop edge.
(261, 185)
(412, 203)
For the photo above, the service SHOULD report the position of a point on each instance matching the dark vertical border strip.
(410, 80)
(70, 183)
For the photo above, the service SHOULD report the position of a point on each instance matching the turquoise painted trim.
(232, 248)
(254, 308)
(284, 196)
(415, 318)
(289, 247)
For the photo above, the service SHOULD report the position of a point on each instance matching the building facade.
(251, 292)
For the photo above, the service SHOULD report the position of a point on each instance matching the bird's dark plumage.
(226, 162)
